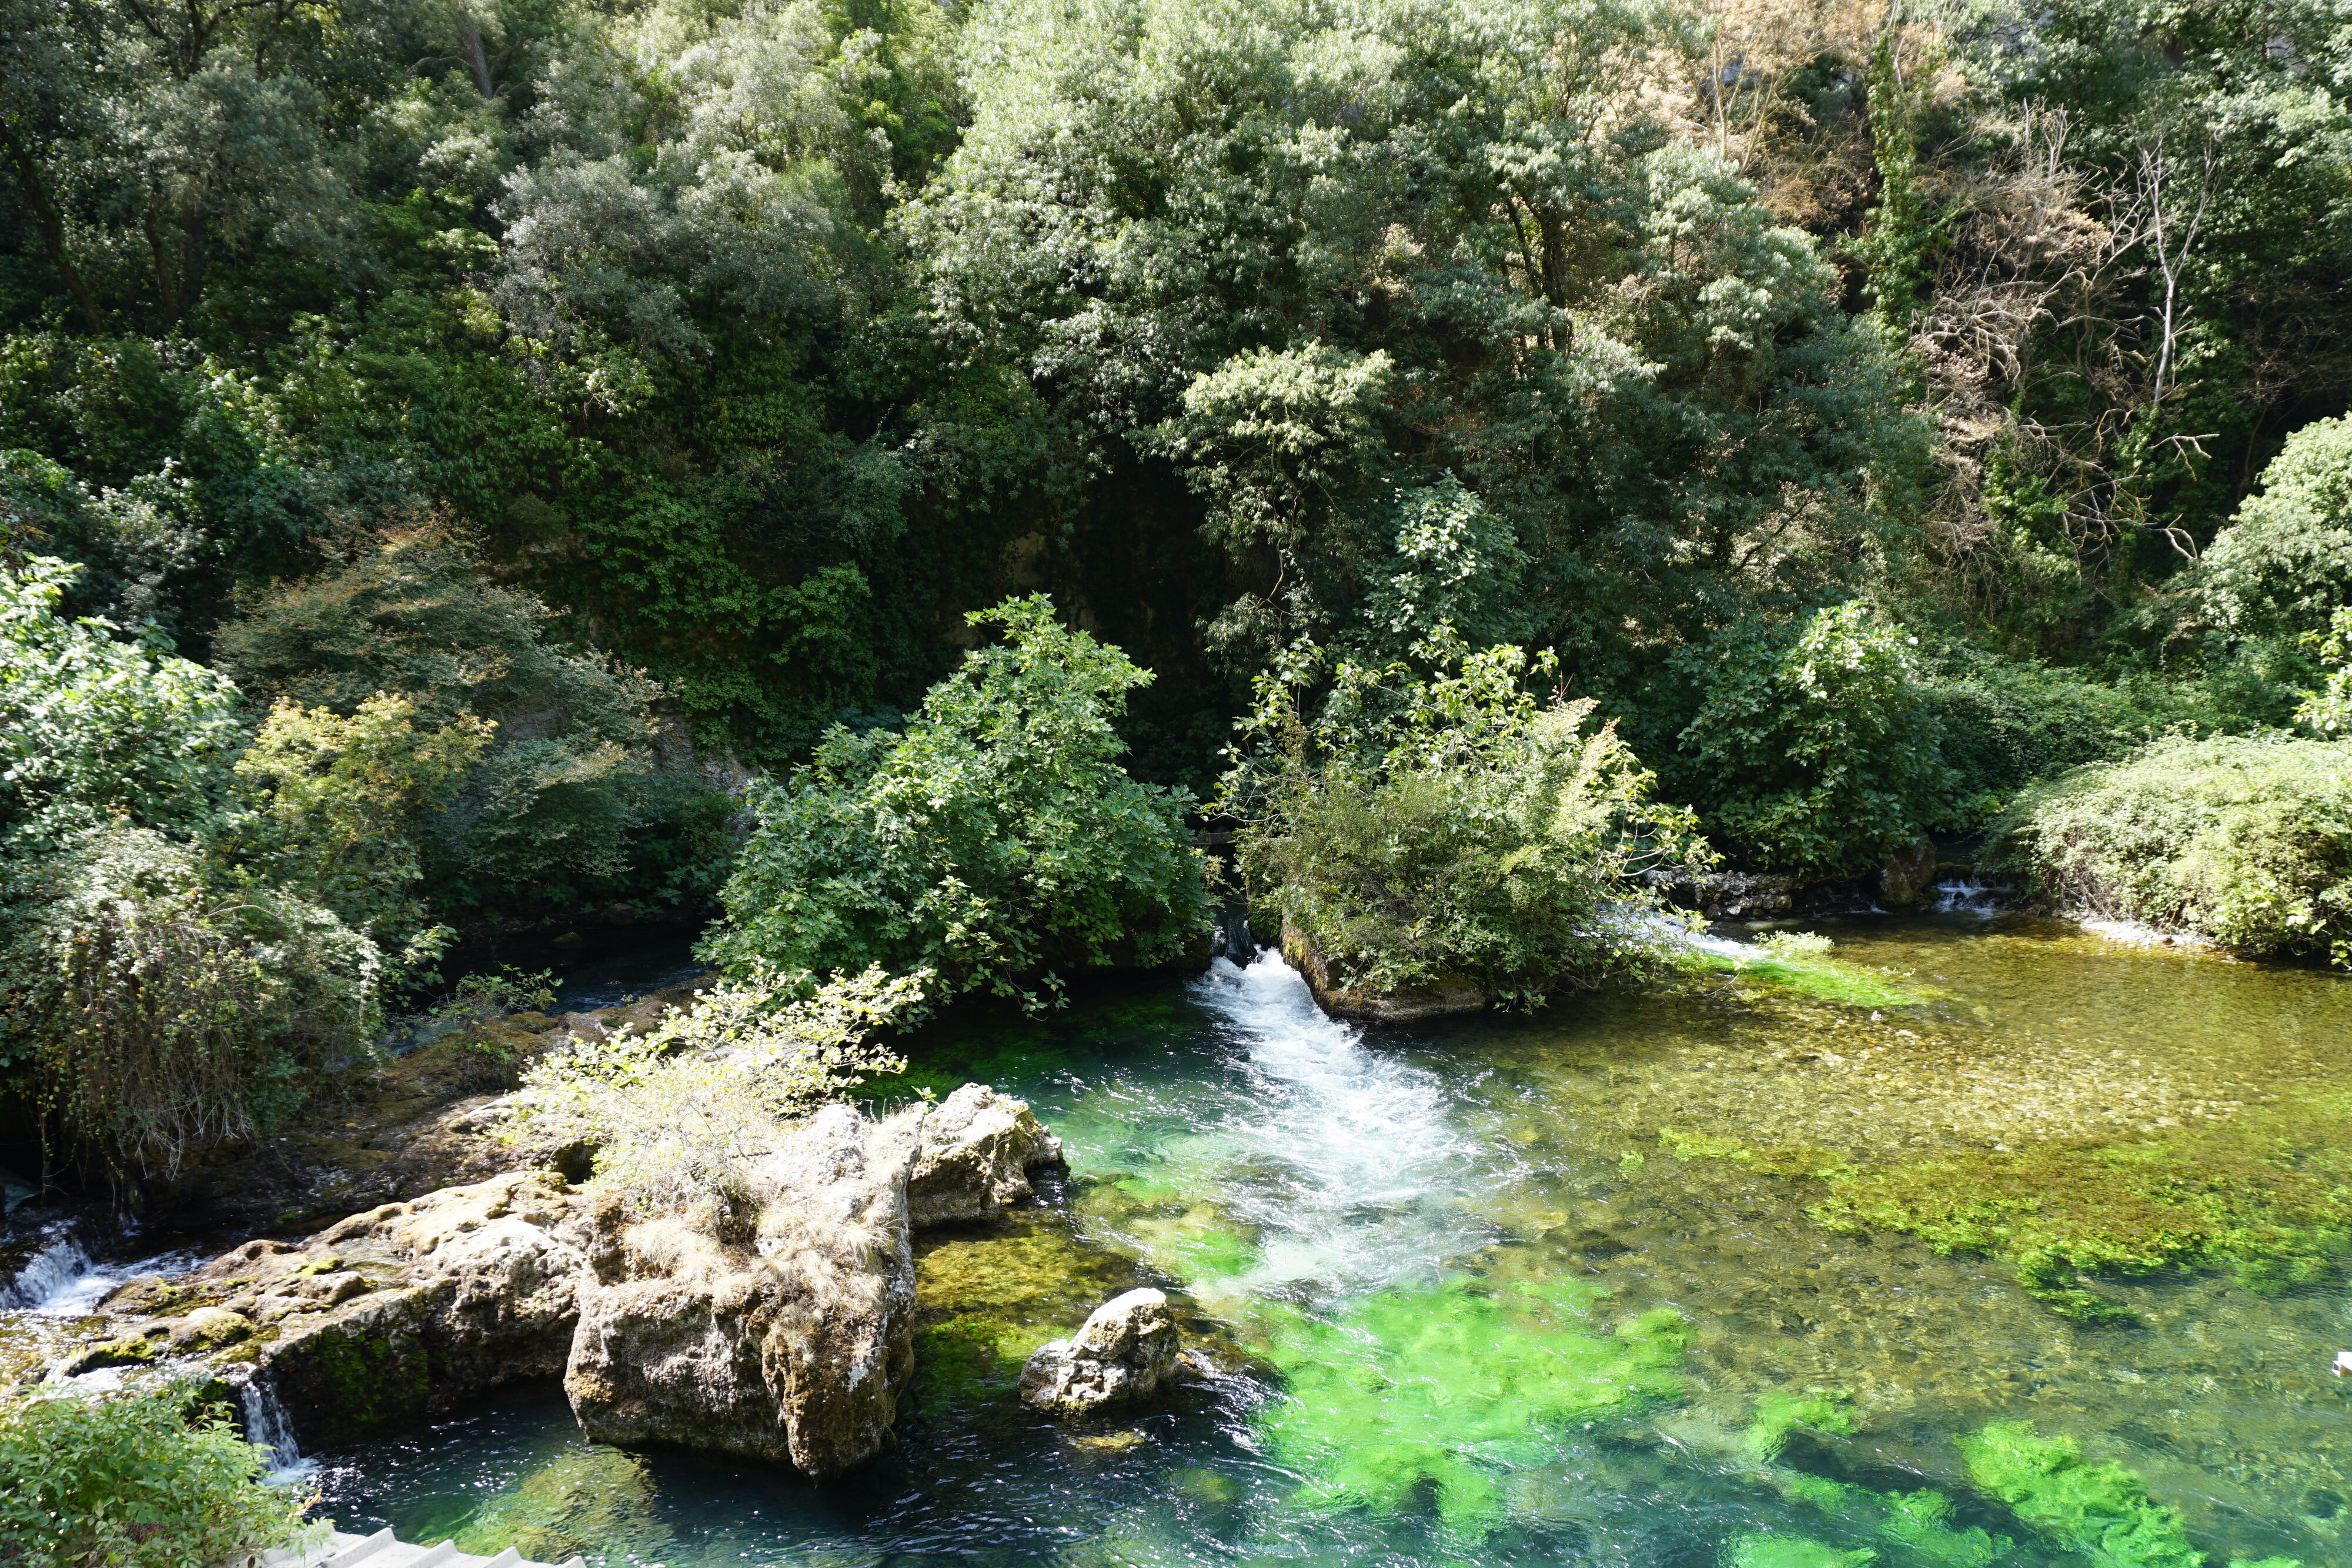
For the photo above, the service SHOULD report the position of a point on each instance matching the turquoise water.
(1476, 1312)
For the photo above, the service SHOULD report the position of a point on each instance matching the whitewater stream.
(1516, 1290)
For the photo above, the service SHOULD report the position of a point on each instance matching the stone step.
(384, 1550)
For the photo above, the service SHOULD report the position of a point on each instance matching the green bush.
(2005, 725)
(2283, 564)
(1813, 748)
(136, 1479)
(680, 1116)
(995, 843)
(2246, 840)
(167, 1002)
(557, 800)
(1449, 827)
(93, 725)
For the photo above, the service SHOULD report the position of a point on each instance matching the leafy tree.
(2283, 564)
(1813, 748)
(92, 724)
(1424, 828)
(995, 843)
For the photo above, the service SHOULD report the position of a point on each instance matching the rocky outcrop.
(1443, 997)
(780, 1328)
(1126, 1352)
(978, 1149)
(788, 1343)
(1908, 873)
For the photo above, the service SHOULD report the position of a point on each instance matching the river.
(1487, 1313)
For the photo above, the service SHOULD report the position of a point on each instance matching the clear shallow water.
(1508, 1325)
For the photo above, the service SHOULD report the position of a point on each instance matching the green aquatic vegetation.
(2267, 1193)
(584, 1499)
(1795, 1552)
(1916, 1525)
(1213, 1254)
(1831, 979)
(2094, 1507)
(984, 1303)
(1781, 1416)
(1434, 1393)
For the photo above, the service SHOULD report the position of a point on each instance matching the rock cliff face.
(784, 1334)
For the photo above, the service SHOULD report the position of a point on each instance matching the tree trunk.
(52, 227)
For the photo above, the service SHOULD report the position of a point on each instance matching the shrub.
(994, 843)
(2329, 709)
(92, 724)
(2004, 725)
(168, 1002)
(1424, 828)
(2283, 564)
(2246, 840)
(1813, 748)
(139, 1479)
(555, 798)
(680, 1115)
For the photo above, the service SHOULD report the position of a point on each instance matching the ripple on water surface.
(1548, 1291)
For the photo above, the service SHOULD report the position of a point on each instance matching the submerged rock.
(1909, 871)
(1128, 1350)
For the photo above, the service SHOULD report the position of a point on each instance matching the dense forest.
(476, 465)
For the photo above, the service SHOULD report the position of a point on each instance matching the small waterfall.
(267, 1426)
(49, 1275)
(1967, 896)
(1347, 1160)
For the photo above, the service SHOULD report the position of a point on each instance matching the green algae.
(1794, 1552)
(1428, 1395)
(2096, 1507)
(583, 1500)
(1801, 962)
(985, 1301)
(1780, 1416)
(2267, 1195)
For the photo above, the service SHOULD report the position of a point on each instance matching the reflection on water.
(1514, 1327)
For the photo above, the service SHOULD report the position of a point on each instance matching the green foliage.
(2283, 564)
(996, 842)
(170, 1002)
(1813, 748)
(1438, 1390)
(2246, 841)
(1794, 1552)
(680, 1115)
(144, 1478)
(1425, 828)
(2329, 710)
(555, 790)
(92, 724)
(2004, 723)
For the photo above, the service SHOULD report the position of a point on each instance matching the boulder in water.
(1444, 995)
(788, 1343)
(1126, 1351)
(1909, 871)
(978, 1150)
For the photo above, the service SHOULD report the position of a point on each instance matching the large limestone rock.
(1126, 1351)
(978, 1150)
(404, 1311)
(788, 1345)
(778, 1329)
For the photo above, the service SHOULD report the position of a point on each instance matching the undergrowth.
(1439, 1391)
